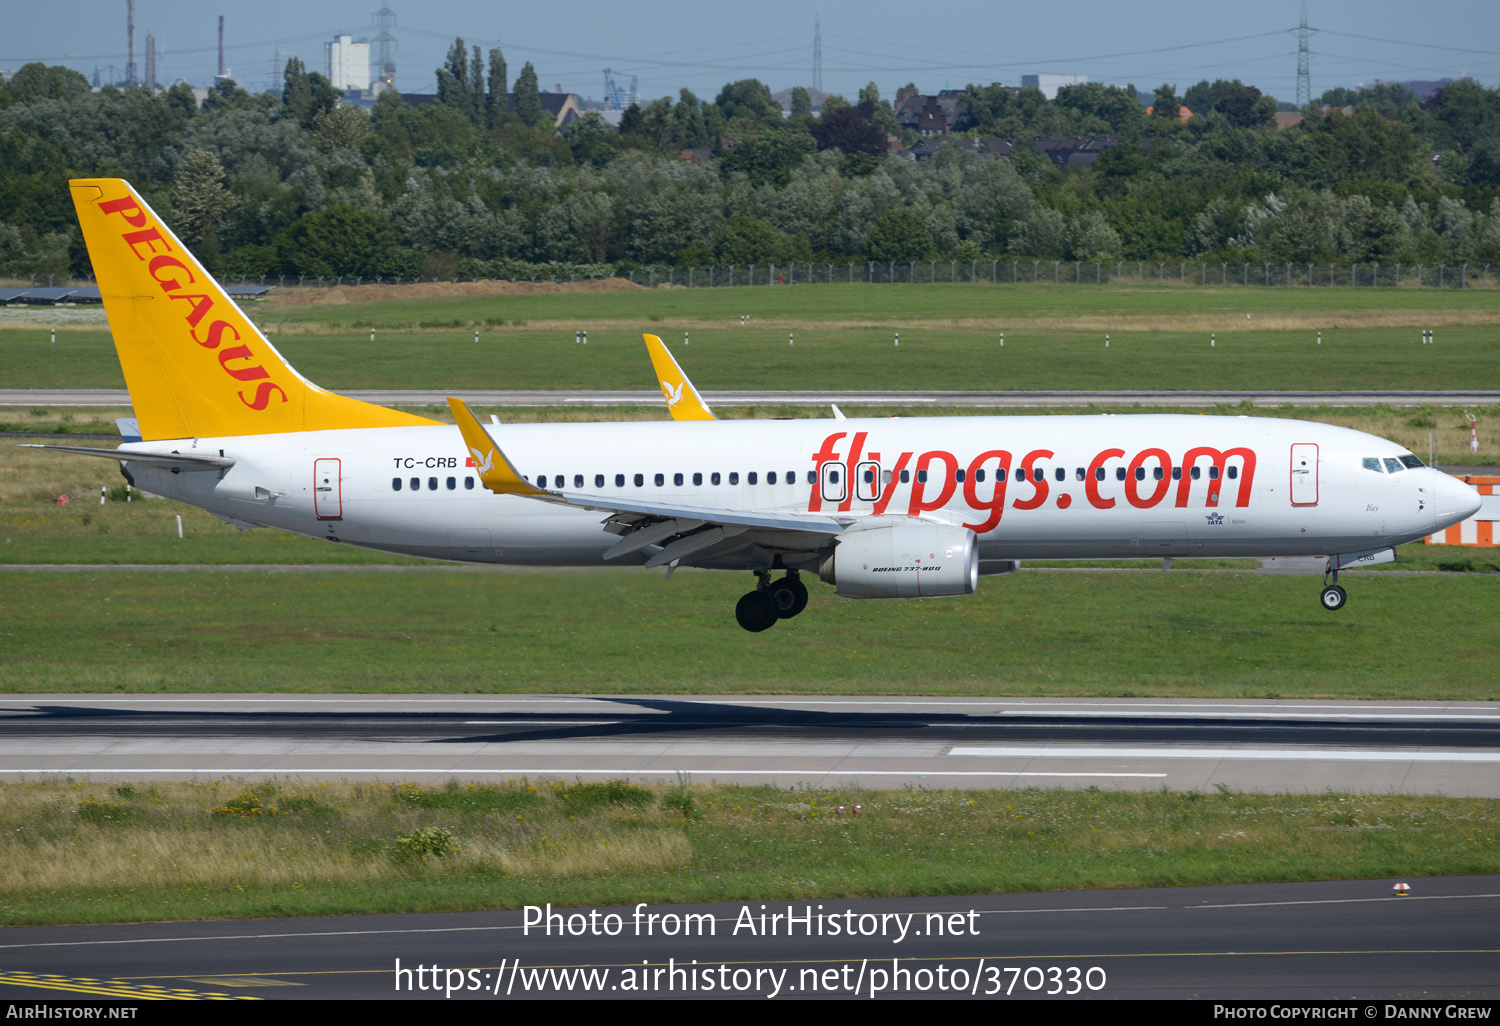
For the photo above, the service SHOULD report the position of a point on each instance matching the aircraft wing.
(681, 531)
(182, 461)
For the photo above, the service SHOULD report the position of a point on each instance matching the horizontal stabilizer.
(167, 459)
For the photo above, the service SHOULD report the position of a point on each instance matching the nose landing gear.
(1333, 596)
(759, 610)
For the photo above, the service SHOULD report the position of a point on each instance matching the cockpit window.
(1393, 466)
(1371, 463)
(1412, 462)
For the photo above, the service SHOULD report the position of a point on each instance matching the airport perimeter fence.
(943, 272)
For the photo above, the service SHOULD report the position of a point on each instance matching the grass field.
(74, 852)
(1088, 633)
(950, 339)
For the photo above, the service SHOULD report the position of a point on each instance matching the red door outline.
(328, 493)
(1304, 474)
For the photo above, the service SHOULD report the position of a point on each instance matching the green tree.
(801, 103)
(900, 235)
(529, 97)
(201, 203)
(496, 105)
(749, 100)
(746, 240)
(344, 241)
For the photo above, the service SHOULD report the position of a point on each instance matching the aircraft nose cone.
(1454, 500)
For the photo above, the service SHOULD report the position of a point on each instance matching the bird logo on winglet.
(485, 462)
(674, 395)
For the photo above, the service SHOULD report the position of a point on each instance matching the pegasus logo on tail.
(674, 395)
(484, 461)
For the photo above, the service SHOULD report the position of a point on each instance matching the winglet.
(683, 401)
(495, 470)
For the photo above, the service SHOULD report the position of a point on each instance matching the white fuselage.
(1030, 487)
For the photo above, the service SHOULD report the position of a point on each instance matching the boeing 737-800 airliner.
(888, 508)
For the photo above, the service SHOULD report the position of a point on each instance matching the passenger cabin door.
(328, 493)
(1304, 474)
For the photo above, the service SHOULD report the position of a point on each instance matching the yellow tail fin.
(194, 363)
(683, 401)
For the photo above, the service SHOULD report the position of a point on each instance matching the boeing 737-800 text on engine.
(889, 508)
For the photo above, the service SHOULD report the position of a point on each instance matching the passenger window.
(979, 474)
(1020, 474)
(1176, 473)
(557, 482)
(771, 477)
(452, 483)
(734, 477)
(432, 484)
(640, 480)
(921, 477)
(1195, 473)
(661, 479)
(812, 478)
(1098, 473)
(577, 480)
(713, 478)
(1157, 474)
(750, 478)
(1119, 473)
(697, 479)
(469, 483)
(395, 484)
(619, 480)
(677, 479)
(1140, 473)
(416, 483)
(958, 475)
(1234, 472)
(1079, 474)
(598, 480)
(1213, 473)
(1036, 473)
(1060, 474)
(905, 476)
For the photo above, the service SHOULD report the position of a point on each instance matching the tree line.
(479, 183)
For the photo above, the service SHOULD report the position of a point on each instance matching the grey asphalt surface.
(1350, 941)
(1397, 748)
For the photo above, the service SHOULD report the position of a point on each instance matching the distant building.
(1050, 84)
(933, 117)
(348, 64)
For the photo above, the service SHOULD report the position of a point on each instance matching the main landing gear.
(759, 610)
(1333, 596)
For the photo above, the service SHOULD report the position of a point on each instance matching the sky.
(671, 44)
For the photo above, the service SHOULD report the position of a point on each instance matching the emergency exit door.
(1304, 474)
(328, 496)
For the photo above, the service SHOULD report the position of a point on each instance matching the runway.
(731, 399)
(1448, 748)
(1349, 941)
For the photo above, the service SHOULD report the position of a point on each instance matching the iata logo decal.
(1215, 519)
(674, 395)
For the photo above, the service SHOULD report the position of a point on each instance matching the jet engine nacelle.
(902, 557)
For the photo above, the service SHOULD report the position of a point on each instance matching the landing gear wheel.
(1334, 598)
(790, 596)
(756, 611)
